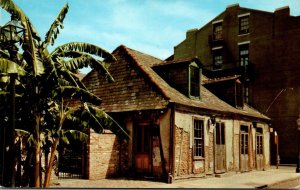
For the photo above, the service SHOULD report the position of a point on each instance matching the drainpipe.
(171, 144)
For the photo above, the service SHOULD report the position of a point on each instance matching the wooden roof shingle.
(154, 93)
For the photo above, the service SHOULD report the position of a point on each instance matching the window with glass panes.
(244, 55)
(244, 25)
(259, 141)
(217, 28)
(218, 59)
(198, 138)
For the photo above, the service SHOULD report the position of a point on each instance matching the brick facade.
(104, 155)
(274, 55)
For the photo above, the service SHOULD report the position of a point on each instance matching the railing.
(247, 72)
(70, 164)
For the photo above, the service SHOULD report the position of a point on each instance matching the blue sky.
(150, 26)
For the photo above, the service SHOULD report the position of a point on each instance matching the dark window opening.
(244, 128)
(239, 95)
(194, 81)
(198, 138)
(244, 25)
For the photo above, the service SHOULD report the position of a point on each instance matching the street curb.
(283, 181)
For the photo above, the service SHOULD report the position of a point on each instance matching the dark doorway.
(141, 145)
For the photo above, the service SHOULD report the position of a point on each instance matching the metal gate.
(71, 162)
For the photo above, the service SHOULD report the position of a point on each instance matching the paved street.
(284, 177)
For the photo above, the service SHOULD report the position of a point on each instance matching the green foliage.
(7, 67)
(52, 102)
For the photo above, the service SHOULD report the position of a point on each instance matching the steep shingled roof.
(144, 89)
(208, 100)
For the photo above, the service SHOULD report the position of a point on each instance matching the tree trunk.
(49, 165)
(37, 152)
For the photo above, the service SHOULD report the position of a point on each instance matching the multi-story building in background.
(263, 50)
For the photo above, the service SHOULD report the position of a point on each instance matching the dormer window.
(194, 80)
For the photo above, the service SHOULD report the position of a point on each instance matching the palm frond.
(108, 122)
(69, 54)
(22, 132)
(76, 93)
(31, 53)
(7, 66)
(4, 54)
(87, 48)
(86, 60)
(76, 134)
(51, 35)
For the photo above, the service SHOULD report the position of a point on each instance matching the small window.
(218, 59)
(244, 55)
(198, 138)
(194, 81)
(217, 30)
(244, 25)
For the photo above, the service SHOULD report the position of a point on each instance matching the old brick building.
(263, 48)
(177, 127)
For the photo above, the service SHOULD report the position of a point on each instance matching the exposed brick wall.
(104, 158)
(183, 161)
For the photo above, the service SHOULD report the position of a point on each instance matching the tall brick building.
(263, 48)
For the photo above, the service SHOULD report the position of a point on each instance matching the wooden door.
(220, 151)
(142, 148)
(244, 149)
(259, 151)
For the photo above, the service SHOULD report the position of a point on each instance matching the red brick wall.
(104, 158)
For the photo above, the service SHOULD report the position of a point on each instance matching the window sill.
(244, 34)
(194, 97)
(198, 158)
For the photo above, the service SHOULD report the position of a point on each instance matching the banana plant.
(48, 85)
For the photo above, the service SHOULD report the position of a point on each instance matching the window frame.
(259, 141)
(244, 24)
(198, 155)
(218, 34)
(244, 54)
(217, 53)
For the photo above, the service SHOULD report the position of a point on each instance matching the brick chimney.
(282, 11)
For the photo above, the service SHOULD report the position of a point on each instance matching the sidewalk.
(253, 179)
